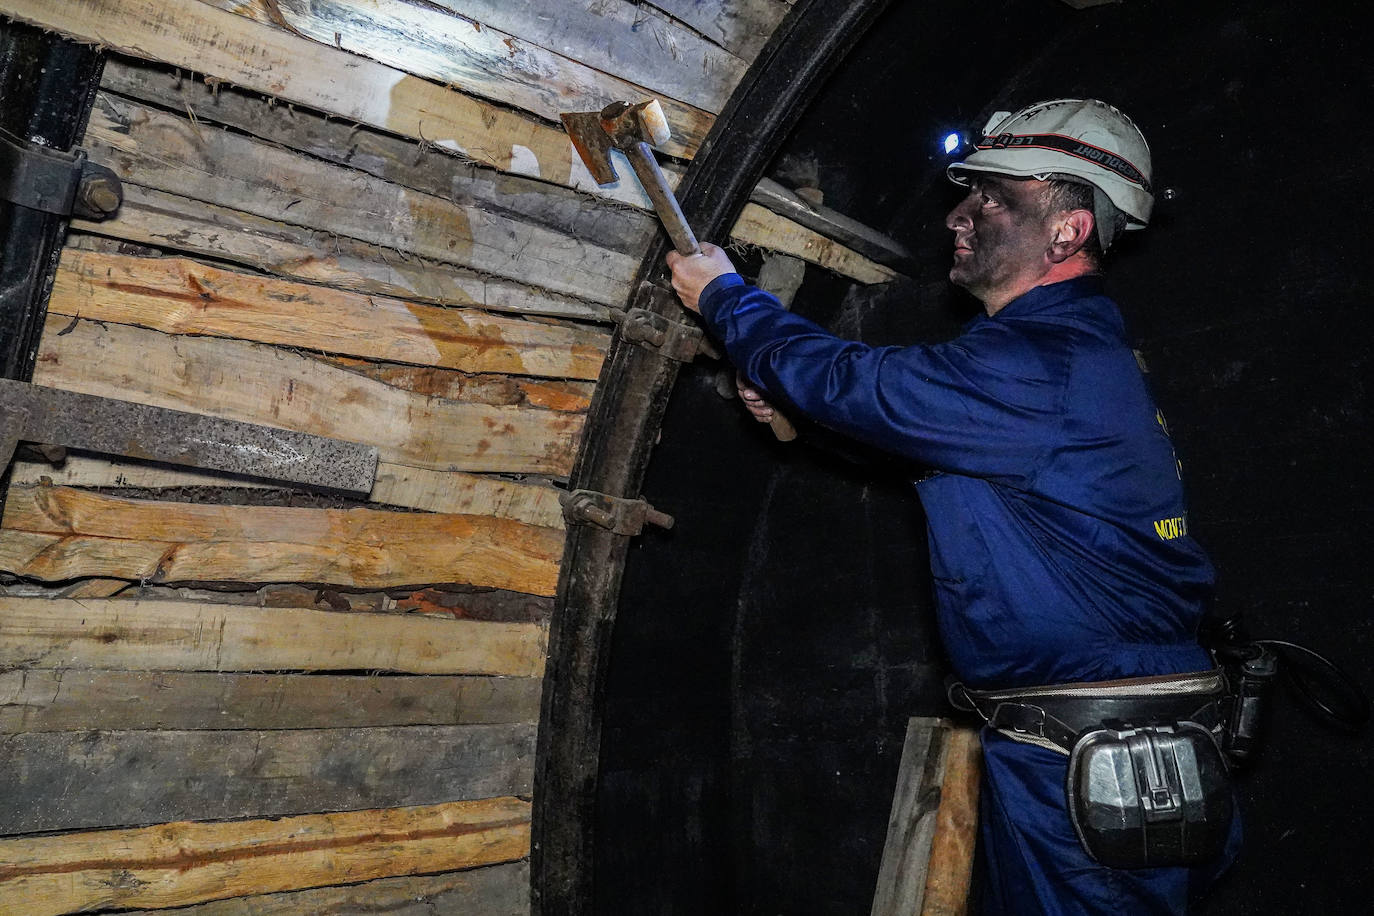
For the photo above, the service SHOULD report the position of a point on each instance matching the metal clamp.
(654, 332)
(614, 513)
(67, 184)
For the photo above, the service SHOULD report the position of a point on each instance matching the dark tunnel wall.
(770, 648)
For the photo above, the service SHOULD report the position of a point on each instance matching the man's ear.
(1072, 229)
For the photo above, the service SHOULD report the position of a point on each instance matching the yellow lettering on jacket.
(1170, 528)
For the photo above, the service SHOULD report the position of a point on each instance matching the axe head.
(617, 126)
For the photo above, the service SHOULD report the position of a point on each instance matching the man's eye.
(987, 200)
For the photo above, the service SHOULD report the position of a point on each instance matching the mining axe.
(633, 129)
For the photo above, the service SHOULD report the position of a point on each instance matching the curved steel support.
(625, 416)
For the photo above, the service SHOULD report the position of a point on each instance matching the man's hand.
(753, 400)
(691, 275)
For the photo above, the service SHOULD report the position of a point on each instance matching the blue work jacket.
(1058, 537)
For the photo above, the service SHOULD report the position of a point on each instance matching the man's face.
(1002, 232)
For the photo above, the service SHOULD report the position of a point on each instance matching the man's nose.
(958, 218)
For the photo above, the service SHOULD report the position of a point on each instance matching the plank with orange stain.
(57, 533)
(181, 296)
(190, 862)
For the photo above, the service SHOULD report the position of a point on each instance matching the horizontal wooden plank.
(757, 226)
(406, 162)
(201, 39)
(84, 780)
(493, 890)
(178, 864)
(630, 39)
(485, 61)
(261, 384)
(397, 485)
(740, 26)
(58, 700)
(116, 633)
(498, 390)
(181, 296)
(168, 152)
(176, 223)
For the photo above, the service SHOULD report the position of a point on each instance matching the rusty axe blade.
(632, 129)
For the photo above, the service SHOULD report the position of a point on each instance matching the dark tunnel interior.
(770, 648)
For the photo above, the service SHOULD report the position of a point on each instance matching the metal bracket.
(614, 513)
(51, 181)
(652, 331)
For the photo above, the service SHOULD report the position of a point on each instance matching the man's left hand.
(692, 274)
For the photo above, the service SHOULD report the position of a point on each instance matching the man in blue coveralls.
(1058, 537)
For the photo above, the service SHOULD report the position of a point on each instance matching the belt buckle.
(1039, 724)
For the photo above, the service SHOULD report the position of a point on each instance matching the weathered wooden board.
(755, 226)
(159, 150)
(418, 166)
(629, 39)
(483, 61)
(911, 824)
(78, 781)
(499, 390)
(493, 890)
(397, 485)
(197, 636)
(199, 38)
(950, 874)
(177, 223)
(741, 26)
(181, 296)
(177, 864)
(55, 700)
(261, 384)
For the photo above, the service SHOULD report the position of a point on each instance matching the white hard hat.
(1074, 138)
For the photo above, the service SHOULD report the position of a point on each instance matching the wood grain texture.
(911, 825)
(479, 60)
(261, 384)
(629, 39)
(167, 152)
(757, 226)
(178, 223)
(405, 162)
(950, 874)
(178, 864)
(77, 781)
(263, 58)
(57, 700)
(741, 26)
(181, 296)
(492, 890)
(142, 635)
(396, 485)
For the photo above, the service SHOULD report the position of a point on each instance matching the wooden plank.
(950, 874)
(54, 700)
(133, 634)
(502, 390)
(494, 890)
(483, 61)
(261, 384)
(179, 224)
(634, 41)
(181, 296)
(199, 38)
(155, 149)
(178, 864)
(84, 780)
(757, 226)
(405, 162)
(911, 825)
(741, 26)
(397, 485)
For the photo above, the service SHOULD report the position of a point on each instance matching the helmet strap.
(1106, 216)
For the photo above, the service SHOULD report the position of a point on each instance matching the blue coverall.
(1058, 537)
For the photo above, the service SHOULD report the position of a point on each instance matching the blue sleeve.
(987, 404)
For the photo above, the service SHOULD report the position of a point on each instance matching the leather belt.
(1055, 715)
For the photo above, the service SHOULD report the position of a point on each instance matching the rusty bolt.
(100, 194)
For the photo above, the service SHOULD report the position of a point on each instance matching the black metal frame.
(48, 85)
(618, 438)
